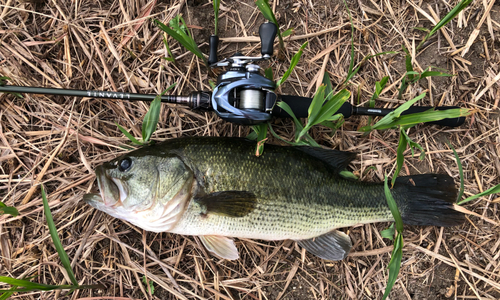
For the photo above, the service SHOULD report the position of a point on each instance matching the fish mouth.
(112, 191)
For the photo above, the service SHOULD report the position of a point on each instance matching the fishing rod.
(242, 95)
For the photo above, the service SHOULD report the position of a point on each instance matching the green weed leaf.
(4, 209)
(152, 116)
(128, 135)
(392, 117)
(389, 232)
(393, 207)
(493, 190)
(460, 172)
(434, 74)
(182, 37)
(394, 264)
(293, 63)
(216, 4)
(400, 158)
(348, 175)
(269, 73)
(151, 286)
(397, 252)
(452, 14)
(287, 32)
(55, 239)
(261, 134)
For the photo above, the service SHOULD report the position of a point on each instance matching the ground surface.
(102, 44)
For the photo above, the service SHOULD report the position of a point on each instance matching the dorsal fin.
(339, 160)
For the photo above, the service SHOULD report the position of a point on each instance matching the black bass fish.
(216, 188)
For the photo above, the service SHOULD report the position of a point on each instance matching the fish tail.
(428, 199)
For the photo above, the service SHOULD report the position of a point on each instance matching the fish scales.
(298, 196)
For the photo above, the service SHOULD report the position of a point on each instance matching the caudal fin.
(428, 199)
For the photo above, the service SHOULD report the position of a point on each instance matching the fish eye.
(124, 164)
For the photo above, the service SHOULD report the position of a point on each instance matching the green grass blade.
(350, 75)
(332, 106)
(493, 190)
(410, 120)
(460, 172)
(171, 55)
(182, 38)
(348, 175)
(397, 252)
(216, 4)
(152, 116)
(151, 119)
(55, 239)
(434, 74)
(6, 295)
(393, 206)
(287, 32)
(269, 73)
(394, 264)
(261, 131)
(452, 14)
(408, 64)
(299, 128)
(128, 135)
(4, 209)
(27, 284)
(379, 86)
(413, 145)
(389, 232)
(328, 85)
(400, 158)
(390, 118)
(298, 125)
(293, 63)
(316, 104)
(350, 72)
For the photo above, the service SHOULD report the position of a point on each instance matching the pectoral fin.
(334, 245)
(220, 246)
(228, 203)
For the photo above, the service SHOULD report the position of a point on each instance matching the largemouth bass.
(216, 188)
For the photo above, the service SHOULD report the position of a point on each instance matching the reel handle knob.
(213, 43)
(267, 33)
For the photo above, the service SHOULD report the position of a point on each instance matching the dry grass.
(112, 45)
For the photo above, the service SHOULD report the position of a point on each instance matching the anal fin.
(334, 245)
(220, 245)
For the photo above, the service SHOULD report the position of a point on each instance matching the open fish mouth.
(112, 191)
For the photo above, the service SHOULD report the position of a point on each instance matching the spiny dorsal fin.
(221, 246)
(335, 158)
(334, 245)
(228, 203)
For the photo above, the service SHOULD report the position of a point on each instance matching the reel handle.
(213, 44)
(267, 33)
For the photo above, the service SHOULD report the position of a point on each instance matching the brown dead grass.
(111, 45)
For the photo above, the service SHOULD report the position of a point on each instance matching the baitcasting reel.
(242, 94)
